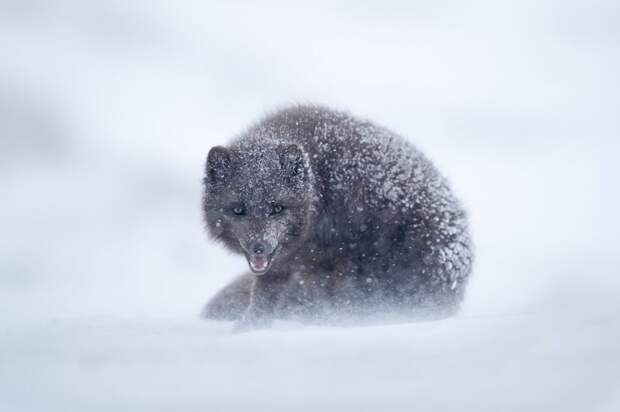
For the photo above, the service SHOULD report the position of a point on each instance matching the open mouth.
(259, 263)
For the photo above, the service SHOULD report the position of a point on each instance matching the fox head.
(257, 201)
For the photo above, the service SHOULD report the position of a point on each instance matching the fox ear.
(291, 160)
(218, 164)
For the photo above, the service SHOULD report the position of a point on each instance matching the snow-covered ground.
(107, 111)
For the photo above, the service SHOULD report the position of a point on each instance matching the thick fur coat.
(338, 218)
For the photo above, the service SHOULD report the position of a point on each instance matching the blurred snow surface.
(107, 111)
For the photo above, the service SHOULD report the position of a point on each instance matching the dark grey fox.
(338, 219)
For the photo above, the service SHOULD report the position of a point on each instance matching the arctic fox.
(338, 219)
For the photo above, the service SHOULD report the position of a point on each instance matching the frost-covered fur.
(350, 220)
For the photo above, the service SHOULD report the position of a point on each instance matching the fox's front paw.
(249, 323)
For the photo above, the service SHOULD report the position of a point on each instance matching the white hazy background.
(108, 109)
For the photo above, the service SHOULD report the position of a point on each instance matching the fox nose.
(258, 249)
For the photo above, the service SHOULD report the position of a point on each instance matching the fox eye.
(238, 210)
(277, 208)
